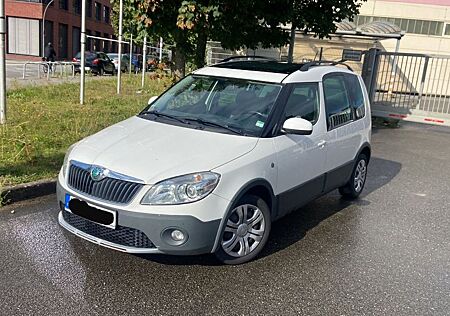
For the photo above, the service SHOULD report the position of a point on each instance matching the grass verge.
(44, 121)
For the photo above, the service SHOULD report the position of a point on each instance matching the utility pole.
(82, 52)
(131, 53)
(119, 72)
(2, 64)
(144, 62)
(291, 44)
(160, 49)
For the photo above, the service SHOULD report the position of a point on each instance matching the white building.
(426, 23)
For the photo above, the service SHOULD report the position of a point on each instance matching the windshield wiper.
(159, 114)
(213, 124)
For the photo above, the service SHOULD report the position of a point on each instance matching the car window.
(356, 95)
(337, 102)
(303, 102)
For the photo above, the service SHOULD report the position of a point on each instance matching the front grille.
(109, 189)
(122, 235)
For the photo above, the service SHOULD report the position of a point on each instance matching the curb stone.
(27, 191)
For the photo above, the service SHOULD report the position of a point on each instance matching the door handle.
(322, 143)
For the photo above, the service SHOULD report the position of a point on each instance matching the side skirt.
(298, 196)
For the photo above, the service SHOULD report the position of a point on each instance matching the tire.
(353, 188)
(238, 244)
(101, 71)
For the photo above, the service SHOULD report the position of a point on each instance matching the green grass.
(44, 121)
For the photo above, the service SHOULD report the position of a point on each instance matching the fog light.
(177, 235)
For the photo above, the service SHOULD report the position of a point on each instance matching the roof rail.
(310, 64)
(247, 57)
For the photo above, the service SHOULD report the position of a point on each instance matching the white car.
(208, 166)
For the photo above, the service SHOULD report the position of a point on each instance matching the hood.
(153, 151)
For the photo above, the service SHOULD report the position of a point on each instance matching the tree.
(319, 17)
(189, 24)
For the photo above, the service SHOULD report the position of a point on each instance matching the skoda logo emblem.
(98, 173)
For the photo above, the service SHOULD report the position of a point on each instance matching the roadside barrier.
(49, 68)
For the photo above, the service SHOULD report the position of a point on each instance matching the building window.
(48, 33)
(412, 26)
(64, 4)
(106, 43)
(106, 14)
(77, 6)
(113, 44)
(447, 29)
(89, 8)
(98, 11)
(76, 36)
(98, 42)
(63, 41)
(23, 36)
(88, 41)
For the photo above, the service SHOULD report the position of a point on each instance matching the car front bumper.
(134, 226)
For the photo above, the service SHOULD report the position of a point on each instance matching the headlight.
(183, 189)
(66, 159)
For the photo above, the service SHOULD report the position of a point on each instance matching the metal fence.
(215, 53)
(407, 86)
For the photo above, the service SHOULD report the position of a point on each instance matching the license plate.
(95, 214)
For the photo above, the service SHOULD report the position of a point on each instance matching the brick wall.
(57, 16)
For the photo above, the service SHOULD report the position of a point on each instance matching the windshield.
(231, 103)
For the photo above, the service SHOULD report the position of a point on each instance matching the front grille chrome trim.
(111, 174)
(113, 187)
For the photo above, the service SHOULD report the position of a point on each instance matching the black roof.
(266, 66)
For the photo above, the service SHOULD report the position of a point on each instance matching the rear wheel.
(353, 188)
(246, 231)
(101, 71)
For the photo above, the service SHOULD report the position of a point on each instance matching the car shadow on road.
(294, 227)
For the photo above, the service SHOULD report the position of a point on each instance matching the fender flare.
(364, 146)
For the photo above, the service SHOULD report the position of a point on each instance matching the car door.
(344, 137)
(301, 158)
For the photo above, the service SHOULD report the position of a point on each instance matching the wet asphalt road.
(386, 254)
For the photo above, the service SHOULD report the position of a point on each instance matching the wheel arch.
(259, 187)
(366, 150)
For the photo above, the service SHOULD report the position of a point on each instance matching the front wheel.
(353, 188)
(246, 231)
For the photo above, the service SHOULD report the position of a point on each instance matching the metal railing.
(49, 68)
(410, 86)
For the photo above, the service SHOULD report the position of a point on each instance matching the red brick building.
(62, 27)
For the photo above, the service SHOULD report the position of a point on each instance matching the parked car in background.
(97, 62)
(125, 63)
(209, 164)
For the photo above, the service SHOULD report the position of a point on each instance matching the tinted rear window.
(88, 55)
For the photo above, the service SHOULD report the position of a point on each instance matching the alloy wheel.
(360, 175)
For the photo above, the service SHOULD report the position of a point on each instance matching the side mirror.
(152, 99)
(298, 126)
